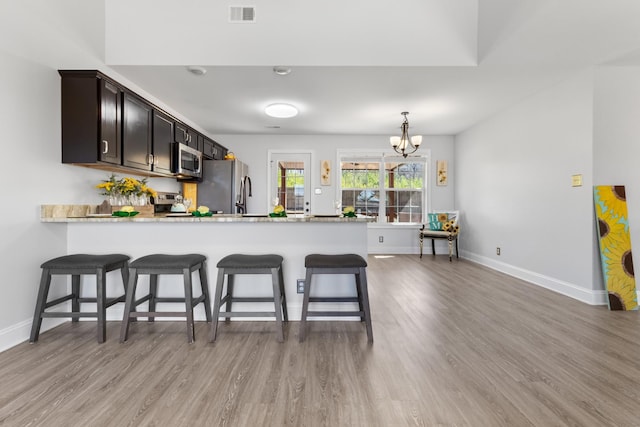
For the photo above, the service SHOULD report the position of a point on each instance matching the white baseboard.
(589, 296)
(395, 250)
(19, 333)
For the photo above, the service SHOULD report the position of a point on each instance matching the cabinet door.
(220, 152)
(163, 134)
(199, 139)
(181, 133)
(109, 144)
(193, 139)
(136, 133)
(208, 149)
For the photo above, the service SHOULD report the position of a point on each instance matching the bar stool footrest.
(158, 314)
(250, 299)
(335, 313)
(58, 301)
(333, 299)
(69, 314)
(227, 314)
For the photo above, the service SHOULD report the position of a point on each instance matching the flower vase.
(117, 200)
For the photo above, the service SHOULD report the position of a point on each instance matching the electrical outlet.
(498, 251)
(300, 287)
(381, 239)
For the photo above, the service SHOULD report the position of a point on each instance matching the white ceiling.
(516, 48)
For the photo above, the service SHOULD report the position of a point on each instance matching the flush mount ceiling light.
(196, 70)
(281, 111)
(404, 144)
(281, 71)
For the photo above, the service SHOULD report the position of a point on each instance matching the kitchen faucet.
(242, 204)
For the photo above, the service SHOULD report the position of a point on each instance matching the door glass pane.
(290, 186)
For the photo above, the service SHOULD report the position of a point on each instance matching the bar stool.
(337, 264)
(234, 264)
(75, 266)
(159, 264)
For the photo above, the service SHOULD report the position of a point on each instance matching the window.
(392, 189)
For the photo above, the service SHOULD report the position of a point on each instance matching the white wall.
(253, 149)
(616, 134)
(513, 175)
(36, 39)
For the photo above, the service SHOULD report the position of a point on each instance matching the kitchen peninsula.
(217, 236)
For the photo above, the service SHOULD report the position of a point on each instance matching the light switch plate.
(576, 180)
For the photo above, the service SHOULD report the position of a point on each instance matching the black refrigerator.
(225, 186)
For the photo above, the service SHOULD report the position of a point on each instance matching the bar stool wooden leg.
(364, 291)
(101, 278)
(305, 303)
(188, 302)
(277, 300)
(285, 311)
(229, 295)
(216, 305)
(153, 293)
(204, 283)
(129, 304)
(75, 290)
(43, 293)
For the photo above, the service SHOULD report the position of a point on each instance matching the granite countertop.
(89, 213)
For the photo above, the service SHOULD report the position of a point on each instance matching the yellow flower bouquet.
(349, 212)
(278, 211)
(126, 191)
(202, 211)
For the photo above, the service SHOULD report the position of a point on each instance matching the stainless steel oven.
(186, 162)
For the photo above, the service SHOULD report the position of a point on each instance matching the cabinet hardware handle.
(105, 146)
(150, 159)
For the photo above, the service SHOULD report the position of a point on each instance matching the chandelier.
(404, 144)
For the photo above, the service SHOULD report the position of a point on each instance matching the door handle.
(105, 146)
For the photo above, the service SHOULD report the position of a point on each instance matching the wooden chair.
(446, 227)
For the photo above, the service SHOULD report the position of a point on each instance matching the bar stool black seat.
(336, 264)
(160, 264)
(75, 266)
(234, 264)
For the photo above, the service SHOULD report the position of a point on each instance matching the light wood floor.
(455, 345)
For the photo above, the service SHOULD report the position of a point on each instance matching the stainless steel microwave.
(186, 162)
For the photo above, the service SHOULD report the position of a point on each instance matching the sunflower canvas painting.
(615, 246)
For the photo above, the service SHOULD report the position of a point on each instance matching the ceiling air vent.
(242, 14)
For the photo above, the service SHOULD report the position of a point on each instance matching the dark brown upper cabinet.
(163, 131)
(212, 150)
(87, 95)
(136, 133)
(107, 126)
(185, 135)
